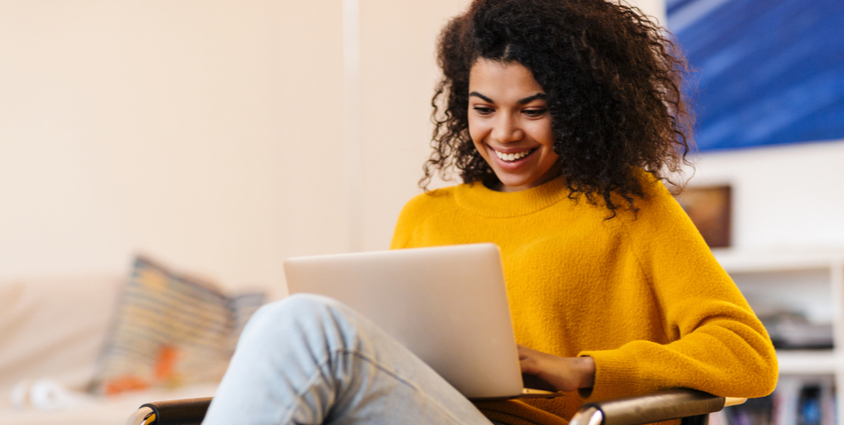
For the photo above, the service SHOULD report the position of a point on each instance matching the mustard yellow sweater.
(643, 297)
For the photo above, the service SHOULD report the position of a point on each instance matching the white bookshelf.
(749, 261)
(808, 362)
(806, 280)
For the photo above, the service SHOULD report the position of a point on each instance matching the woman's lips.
(514, 158)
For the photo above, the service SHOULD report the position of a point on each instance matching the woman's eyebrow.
(482, 97)
(520, 101)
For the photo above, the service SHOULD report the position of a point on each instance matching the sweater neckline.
(482, 200)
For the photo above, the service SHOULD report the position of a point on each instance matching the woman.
(562, 118)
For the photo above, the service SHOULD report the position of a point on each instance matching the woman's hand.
(564, 373)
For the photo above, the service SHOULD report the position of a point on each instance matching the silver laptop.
(447, 304)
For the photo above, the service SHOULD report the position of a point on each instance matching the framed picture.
(709, 207)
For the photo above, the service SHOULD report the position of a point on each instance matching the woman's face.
(510, 124)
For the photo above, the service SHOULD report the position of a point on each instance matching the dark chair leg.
(696, 420)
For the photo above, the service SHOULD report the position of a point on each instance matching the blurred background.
(222, 137)
(226, 136)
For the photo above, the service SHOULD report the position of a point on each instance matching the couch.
(52, 334)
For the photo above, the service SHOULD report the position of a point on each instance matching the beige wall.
(216, 136)
(398, 75)
(207, 133)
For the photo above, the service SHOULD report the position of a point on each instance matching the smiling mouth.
(512, 157)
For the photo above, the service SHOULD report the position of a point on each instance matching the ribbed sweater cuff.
(616, 375)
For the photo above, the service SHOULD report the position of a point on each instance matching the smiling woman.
(612, 85)
(510, 125)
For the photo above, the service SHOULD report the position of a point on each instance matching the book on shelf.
(793, 330)
(797, 400)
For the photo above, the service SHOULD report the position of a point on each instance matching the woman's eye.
(534, 112)
(482, 110)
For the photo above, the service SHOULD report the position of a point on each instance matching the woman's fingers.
(564, 373)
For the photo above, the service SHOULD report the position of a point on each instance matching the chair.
(694, 407)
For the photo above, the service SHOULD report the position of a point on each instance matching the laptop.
(447, 304)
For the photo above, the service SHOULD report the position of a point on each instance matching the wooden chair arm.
(653, 407)
(172, 412)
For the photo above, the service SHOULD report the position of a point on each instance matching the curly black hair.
(613, 81)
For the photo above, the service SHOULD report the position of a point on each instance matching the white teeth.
(511, 156)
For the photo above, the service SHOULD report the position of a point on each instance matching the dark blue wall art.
(768, 71)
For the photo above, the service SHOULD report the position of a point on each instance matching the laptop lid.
(447, 304)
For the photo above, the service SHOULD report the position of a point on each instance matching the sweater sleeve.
(717, 343)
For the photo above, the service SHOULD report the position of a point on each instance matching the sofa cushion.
(169, 330)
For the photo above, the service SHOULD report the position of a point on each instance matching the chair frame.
(691, 406)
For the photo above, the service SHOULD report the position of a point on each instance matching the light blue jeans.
(312, 360)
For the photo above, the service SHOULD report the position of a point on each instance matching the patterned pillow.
(170, 330)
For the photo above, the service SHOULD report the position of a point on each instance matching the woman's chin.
(512, 184)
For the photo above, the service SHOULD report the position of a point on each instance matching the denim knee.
(303, 303)
(306, 312)
(296, 305)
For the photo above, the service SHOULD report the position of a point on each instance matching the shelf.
(750, 261)
(808, 362)
(806, 280)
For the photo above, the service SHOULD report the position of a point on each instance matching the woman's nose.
(506, 130)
